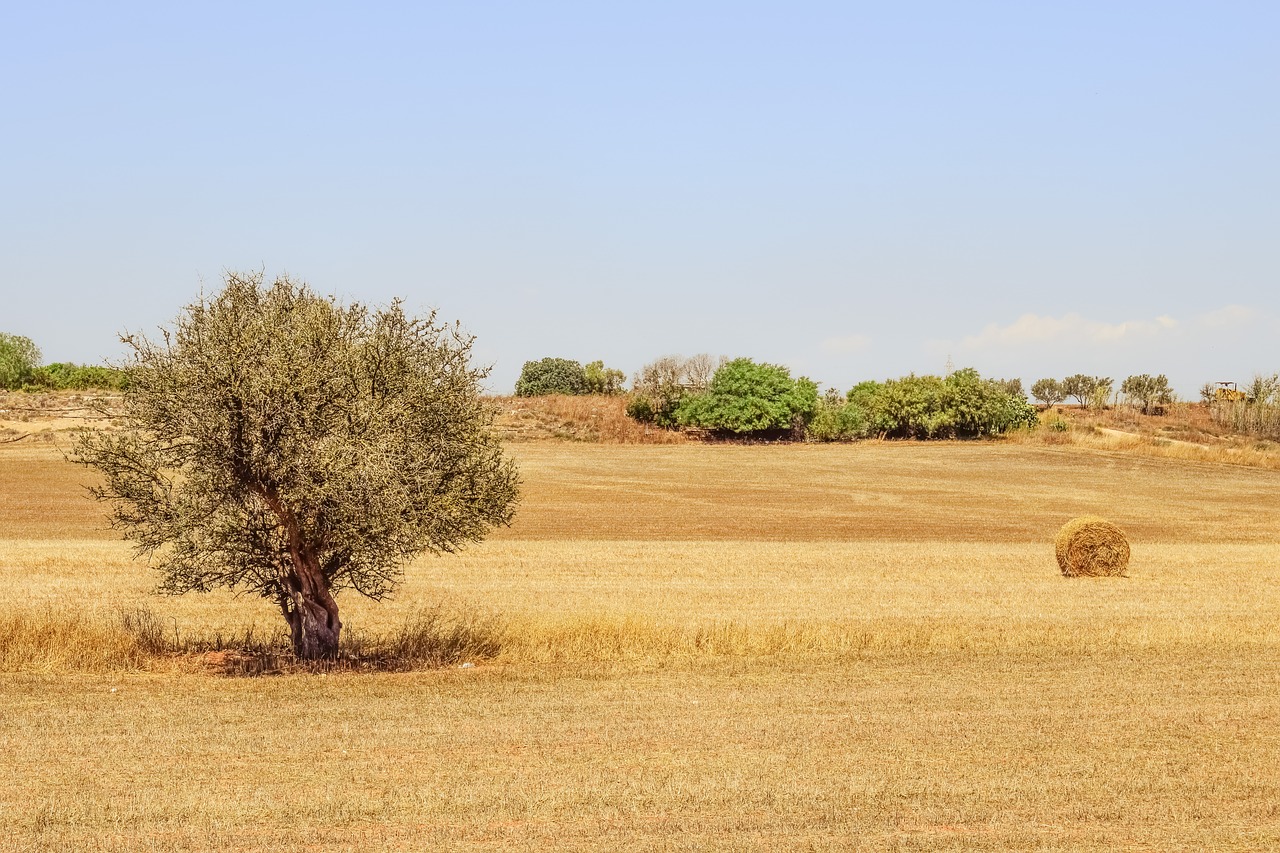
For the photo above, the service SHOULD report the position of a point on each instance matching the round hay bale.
(1089, 546)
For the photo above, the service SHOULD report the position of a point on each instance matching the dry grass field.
(860, 647)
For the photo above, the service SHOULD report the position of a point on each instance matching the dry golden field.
(858, 647)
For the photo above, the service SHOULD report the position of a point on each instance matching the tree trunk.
(312, 613)
(305, 599)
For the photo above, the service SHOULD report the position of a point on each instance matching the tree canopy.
(1149, 392)
(19, 357)
(746, 397)
(285, 444)
(551, 376)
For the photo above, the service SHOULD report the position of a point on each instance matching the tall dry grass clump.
(1090, 546)
(50, 640)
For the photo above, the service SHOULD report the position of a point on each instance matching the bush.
(551, 376)
(603, 380)
(661, 384)
(838, 419)
(18, 359)
(745, 397)
(65, 376)
(640, 408)
(1152, 393)
(962, 404)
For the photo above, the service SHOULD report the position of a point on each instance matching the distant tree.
(602, 380)
(1048, 391)
(911, 406)
(962, 404)
(1012, 387)
(63, 376)
(746, 397)
(980, 406)
(1079, 387)
(551, 376)
(19, 357)
(281, 443)
(1149, 392)
(1088, 391)
(1100, 393)
(699, 369)
(837, 419)
(1262, 389)
(660, 385)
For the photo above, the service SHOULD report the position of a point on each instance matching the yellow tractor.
(1228, 392)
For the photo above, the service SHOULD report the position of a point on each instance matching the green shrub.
(640, 408)
(551, 376)
(18, 359)
(962, 404)
(1152, 393)
(65, 376)
(986, 407)
(837, 419)
(744, 397)
(602, 380)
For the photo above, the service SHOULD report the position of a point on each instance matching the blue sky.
(853, 190)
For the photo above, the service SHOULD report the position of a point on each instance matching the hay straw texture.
(1089, 546)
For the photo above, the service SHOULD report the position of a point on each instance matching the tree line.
(20, 370)
(744, 398)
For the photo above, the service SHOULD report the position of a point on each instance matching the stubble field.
(852, 647)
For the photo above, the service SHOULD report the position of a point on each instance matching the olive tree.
(1149, 392)
(1088, 391)
(1048, 391)
(282, 443)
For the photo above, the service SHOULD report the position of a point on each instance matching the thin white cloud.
(845, 345)
(1039, 329)
(1229, 316)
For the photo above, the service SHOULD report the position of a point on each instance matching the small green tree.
(1012, 387)
(837, 419)
(985, 406)
(1263, 390)
(869, 397)
(745, 397)
(1149, 392)
(599, 379)
(1088, 391)
(1101, 393)
(1048, 391)
(915, 407)
(1079, 387)
(551, 376)
(19, 357)
(283, 444)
